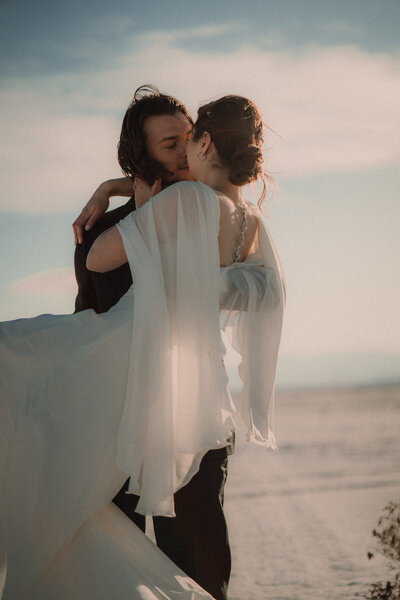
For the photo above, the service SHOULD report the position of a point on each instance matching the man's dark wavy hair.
(132, 152)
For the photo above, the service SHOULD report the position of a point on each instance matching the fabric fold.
(177, 383)
(252, 303)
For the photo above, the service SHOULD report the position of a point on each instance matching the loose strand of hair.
(268, 183)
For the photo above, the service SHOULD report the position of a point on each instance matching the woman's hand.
(144, 191)
(99, 203)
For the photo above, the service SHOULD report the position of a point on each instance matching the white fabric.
(252, 297)
(177, 382)
(110, 558)
(141, 390)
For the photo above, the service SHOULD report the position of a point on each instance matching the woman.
(141, 390)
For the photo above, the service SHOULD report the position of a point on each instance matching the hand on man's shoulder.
(106, 221)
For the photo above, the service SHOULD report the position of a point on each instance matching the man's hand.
(99, 203)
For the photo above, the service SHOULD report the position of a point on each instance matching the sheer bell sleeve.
(176, 406)
(252, 312)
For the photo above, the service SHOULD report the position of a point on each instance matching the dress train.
(109, 557)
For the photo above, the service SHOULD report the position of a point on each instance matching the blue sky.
(326, 77)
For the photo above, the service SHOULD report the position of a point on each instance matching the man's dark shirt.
(101, 291)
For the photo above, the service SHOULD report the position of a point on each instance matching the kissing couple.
(122, 409)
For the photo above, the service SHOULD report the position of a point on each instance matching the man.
(152, 147)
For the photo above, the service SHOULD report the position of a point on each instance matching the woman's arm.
(99, 203)
(107, 252)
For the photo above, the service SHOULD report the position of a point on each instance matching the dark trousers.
(197, 538)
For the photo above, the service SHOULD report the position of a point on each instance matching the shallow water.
(300, 520)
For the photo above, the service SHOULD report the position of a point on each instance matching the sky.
(326, 77)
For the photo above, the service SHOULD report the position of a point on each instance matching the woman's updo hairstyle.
(236, 128)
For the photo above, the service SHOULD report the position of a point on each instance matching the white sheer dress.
(140, 391)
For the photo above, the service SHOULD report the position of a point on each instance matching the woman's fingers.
(85, 221)
(96, 206)
(156, 187)
(144, 191)
(78, 226)
(93, 218)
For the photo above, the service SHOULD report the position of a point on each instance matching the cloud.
(49, 291)
(157, 36)
(335, 108)
(51, 158)
(52, 285)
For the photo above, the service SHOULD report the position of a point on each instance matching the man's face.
(166, 138)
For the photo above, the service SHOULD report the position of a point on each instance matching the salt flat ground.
(300, 519)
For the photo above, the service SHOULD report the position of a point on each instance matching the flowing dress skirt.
(58, 429)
